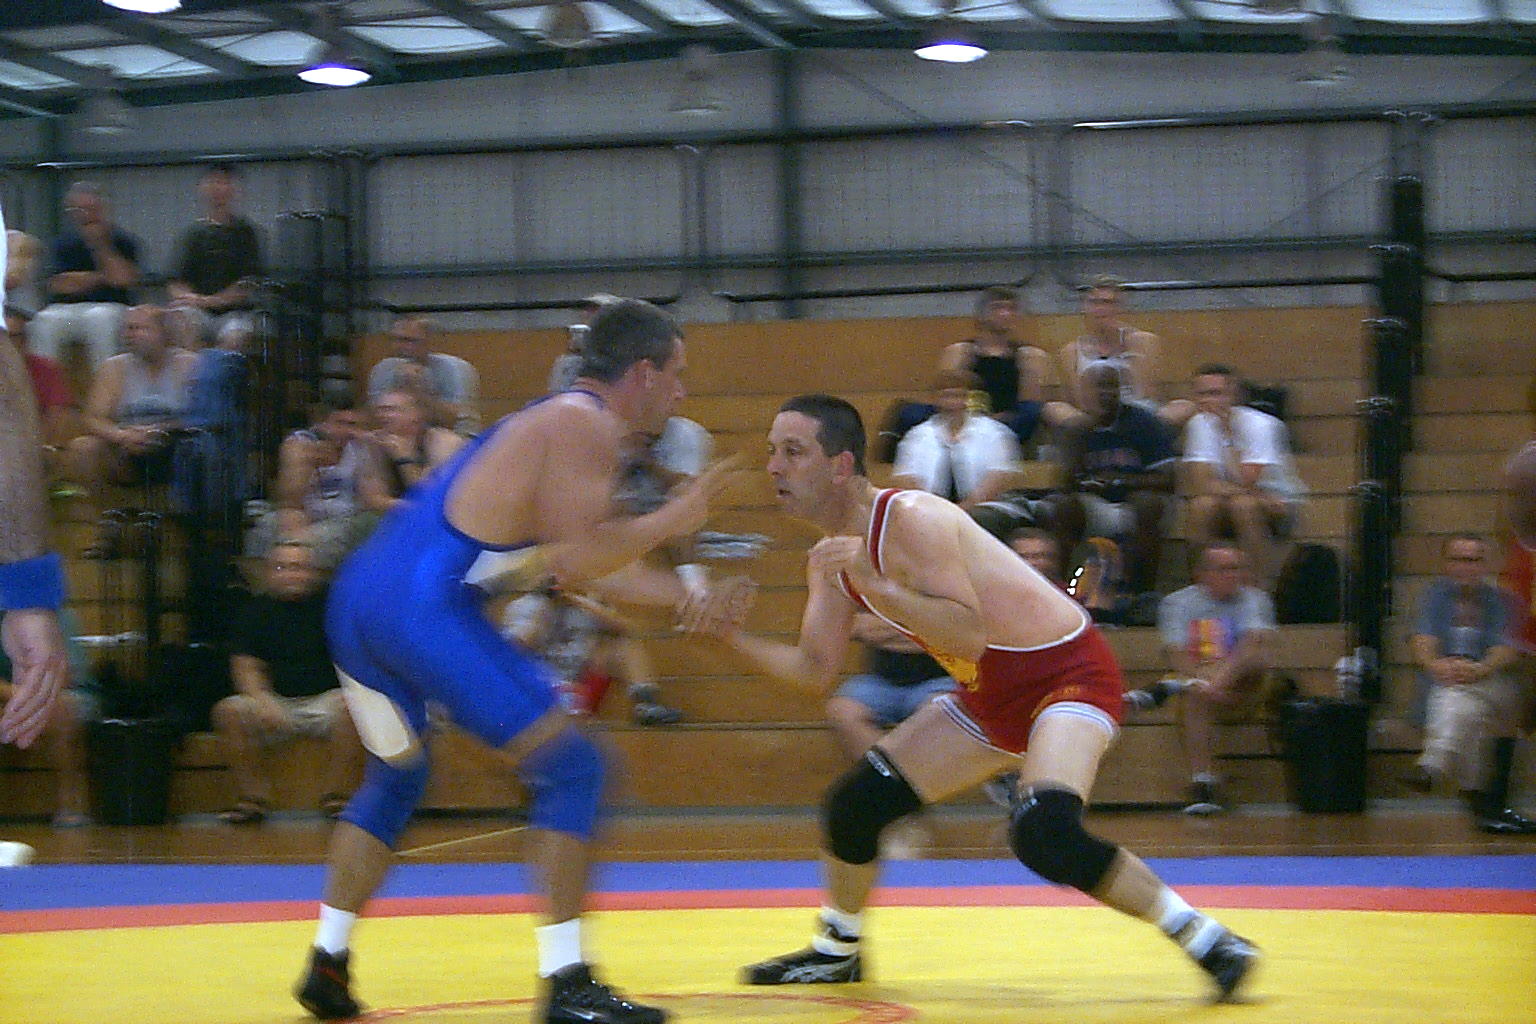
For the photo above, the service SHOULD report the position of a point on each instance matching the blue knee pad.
(383, 804)
(565, 777)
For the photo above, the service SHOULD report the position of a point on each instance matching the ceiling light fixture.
(567, 25)
(145, 6)
(105, 112)
(949, 42)
(1324, 64)
(336, 66)
(695, 94)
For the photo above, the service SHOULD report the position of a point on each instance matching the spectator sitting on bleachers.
(323, 472)
(286, 687)
(50, 386)
(137, 400)
(220, 255)
(408, 446)
(955, 453)
(95, 266)
(1218, 635)
(1109, 340)
(1463, 644)
(1119, 472)
(64, 736)
(1012, 375)
(448, 380)
(1239, 476)
(651, 470)
(590, 646)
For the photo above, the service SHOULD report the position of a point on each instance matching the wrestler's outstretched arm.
(812, 664)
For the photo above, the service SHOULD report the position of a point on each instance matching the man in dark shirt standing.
(95, 266)
(220, 255)
(287, 686)
(1119, 478)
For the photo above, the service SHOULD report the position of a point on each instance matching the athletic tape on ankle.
(32, 583)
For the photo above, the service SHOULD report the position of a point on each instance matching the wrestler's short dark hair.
(841, 428)
(624, 333)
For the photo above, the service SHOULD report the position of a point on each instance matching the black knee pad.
(1047, 835)
(865, 800)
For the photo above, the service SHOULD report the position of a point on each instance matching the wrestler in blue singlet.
(402, 621)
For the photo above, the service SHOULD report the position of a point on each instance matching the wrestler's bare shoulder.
(570, 420)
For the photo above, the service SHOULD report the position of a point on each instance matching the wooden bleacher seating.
(765, 748)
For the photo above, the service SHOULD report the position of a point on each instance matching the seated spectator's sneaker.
(1156, 695)
(1229, 960)
(648, 712)
(575, 997)
(1003, 789)
(1506, 822)
(1203, 800)
(805, 967)
(326, 990)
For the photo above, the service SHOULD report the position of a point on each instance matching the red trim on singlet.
(874, 538)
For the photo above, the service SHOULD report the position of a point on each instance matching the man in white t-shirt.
(956, 453)
(1239, 476)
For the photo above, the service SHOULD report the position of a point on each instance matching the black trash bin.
(1325, 743)
(131, 762)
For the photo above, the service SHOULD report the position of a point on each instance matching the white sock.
(1205, 778)
(559, 946)
(1185, 925)
(845, 924)
(335, 930)
(1171, 912)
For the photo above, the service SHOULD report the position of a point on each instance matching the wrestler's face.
(803, 475)
(663, 390)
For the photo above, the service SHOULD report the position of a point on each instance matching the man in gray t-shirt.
(1216, 633)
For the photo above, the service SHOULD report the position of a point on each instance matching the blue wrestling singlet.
(403, 623)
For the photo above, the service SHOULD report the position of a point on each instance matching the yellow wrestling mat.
(943, 965)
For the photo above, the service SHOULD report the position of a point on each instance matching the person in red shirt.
(50, 385)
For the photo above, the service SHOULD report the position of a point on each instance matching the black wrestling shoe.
(575, 997)
(1228, 962)
(805, 967)
(326, 989)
